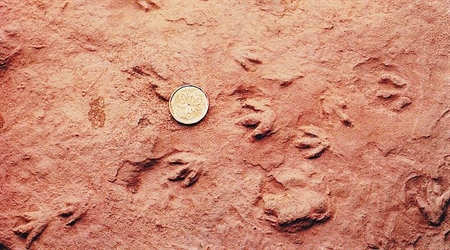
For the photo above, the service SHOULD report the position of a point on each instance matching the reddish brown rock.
(332, 117)
(297, 210)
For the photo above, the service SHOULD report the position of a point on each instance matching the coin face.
(188, 104)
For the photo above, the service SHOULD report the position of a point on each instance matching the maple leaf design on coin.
(188, 104)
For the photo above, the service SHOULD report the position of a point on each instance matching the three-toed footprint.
(262, 121)
(312, 141)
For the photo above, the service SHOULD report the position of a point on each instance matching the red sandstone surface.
(328, 128)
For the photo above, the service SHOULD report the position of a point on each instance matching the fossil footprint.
(296, 210)
(312, 141)
(248, 57)
(392, 92)
(129, 173)
(335, 104)
(262, 121)
(37, 221)
(189, 168)
(435, 205)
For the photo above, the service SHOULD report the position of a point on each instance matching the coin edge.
(172, 112)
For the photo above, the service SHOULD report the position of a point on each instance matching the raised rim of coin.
(192, 109)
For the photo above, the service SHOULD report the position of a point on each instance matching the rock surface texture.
(328, 127)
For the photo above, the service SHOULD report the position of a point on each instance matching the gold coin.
(188, 104)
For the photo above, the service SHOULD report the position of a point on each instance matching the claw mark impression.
(312, 141)
(248, 57)
(262, 122)
(37, 221)
(189, 169)
(147, 5)
(392, 92)
(434, 206)
(334, 104)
